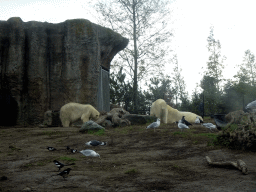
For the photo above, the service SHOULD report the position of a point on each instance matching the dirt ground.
(135, 159)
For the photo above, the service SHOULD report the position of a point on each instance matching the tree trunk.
(135, 83)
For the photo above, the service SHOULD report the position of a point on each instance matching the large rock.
(139, 119)
(44, 66)
(51, 119)
(90, 125)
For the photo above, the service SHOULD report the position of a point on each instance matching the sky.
(233, 22)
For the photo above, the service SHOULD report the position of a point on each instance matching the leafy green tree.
(211, 99)
(197, 102)
(120, 91)
(215, 63)
(247, 71)
(144, 22)
(159, 88)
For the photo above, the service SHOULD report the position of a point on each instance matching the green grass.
(131, 171)
(98, 133)
(68, 159)
(176, 166)
(198, 138)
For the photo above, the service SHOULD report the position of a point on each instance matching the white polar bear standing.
(167, 114)
(72, 112)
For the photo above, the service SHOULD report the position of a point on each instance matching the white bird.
(198, 120)
(209, 126)
(89, 153)
(95, 143)
(182, 125)
(154, 125)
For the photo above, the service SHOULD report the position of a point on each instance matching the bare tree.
(144, 22)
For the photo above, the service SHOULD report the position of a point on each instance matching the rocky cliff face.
(44, 66)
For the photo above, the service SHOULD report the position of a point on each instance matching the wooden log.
(240, 164)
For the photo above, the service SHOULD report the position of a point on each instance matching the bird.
(251, 107)
(64, 173)
(89, 153)
(154, 125)
(51, 148)
(60, 165)
(209, 126)
(182, 125)
(198, 120)
(95, 143)
(68, 147)
(183, 120)
(73, 150)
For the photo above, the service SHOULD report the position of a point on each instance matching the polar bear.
(168, 114)
(72, 112)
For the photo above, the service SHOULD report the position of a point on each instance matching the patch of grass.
(178, 133)
(131, 171)
(40, 164)
(123, 130)
(176, 166)
(28, 165)
(68, 159)
(98, 132)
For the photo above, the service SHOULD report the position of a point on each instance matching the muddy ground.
(135, 159)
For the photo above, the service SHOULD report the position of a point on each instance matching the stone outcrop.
(90, 126)
(44, 66)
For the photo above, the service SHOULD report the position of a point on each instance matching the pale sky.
(233, 22)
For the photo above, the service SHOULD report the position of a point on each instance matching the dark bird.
(60, 165)
(95, 143)
(183, 120)
(65, 173)
(51, 148)
(68, 147)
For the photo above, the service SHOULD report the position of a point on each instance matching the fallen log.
(240, 165)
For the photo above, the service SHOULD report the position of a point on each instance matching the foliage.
(159, 88)
(99, 132)
(215, 63)
(144, 22)
(247, 71)
(179, 84)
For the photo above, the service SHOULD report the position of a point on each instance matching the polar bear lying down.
(169, 115)
(72, 112)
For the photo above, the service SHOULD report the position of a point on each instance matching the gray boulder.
(90, 125)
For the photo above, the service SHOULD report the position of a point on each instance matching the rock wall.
(44, 66)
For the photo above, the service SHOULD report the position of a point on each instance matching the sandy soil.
(135, 159)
